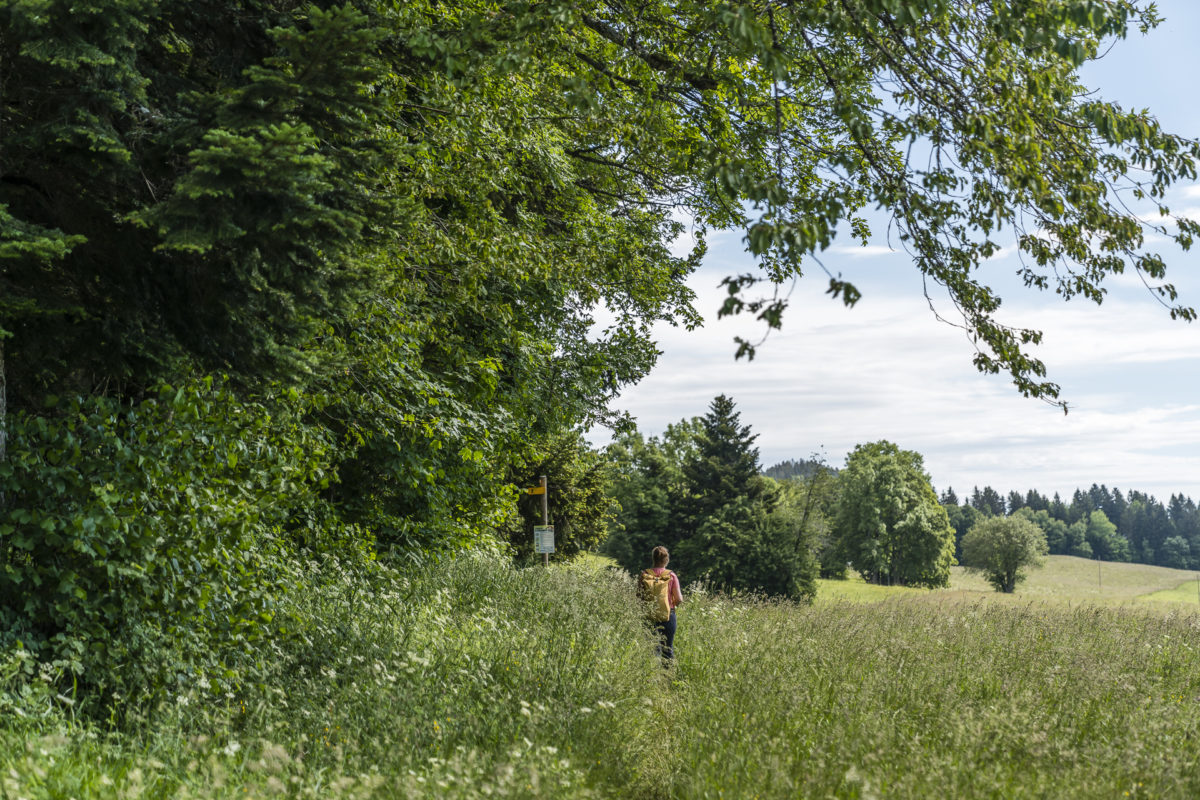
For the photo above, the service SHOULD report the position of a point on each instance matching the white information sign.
(543, 539)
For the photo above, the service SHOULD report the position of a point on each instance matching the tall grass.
(476, 679)
(920, 698)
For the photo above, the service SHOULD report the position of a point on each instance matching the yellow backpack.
(656, 590)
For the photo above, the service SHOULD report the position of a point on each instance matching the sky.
(835, 377)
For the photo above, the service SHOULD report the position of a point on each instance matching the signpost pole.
(545, 513)
(543, 535)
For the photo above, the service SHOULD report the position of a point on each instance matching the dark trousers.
(666, 637)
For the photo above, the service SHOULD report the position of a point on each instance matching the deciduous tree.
(1001, 548)
(889, 524)
(1107, 544)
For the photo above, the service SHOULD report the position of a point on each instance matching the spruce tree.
(733, 529)
(724, 466)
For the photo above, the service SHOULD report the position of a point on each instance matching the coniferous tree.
(724, 465)
(797, 470)
(1081, 507)
(1176, 552)
(1146, 526)
(1115, 504)
(1058, 509)
(648, 489)
(1036, 500)
(989, 501)
(733, 530)
(962, 519)
(1185, 521)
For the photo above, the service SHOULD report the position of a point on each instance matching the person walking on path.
(660, 588)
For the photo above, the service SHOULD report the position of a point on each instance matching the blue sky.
(887, 369)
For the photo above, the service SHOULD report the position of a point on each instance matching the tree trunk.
(3, 413)
(3, 417)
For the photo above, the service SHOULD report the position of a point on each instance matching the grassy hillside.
(1063, 579)
(474, 679)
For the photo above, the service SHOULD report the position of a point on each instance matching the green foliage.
(181, 202)
(1055, 530)
(459, 679)
(1106, 543)
(1001, 548)
(890, 526)
(746, 546)
(797, 470)
(813, 502)
(165, 526)
(393, 226)
(648, 488)
(987, 501)
(963, 121)
(204, 201)
(722, 468)
(961, 518)
(1176, 552)
(699, 493)
(333, 203)
(579, 503)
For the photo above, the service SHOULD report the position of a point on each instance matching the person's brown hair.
(660, 556)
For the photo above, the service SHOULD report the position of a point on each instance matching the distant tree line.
(698, 490)
(1098, 523)
(803, 469)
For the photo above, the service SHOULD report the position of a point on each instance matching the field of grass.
(1062, 579)
(475, 679)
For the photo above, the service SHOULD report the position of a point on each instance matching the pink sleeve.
(676, 595)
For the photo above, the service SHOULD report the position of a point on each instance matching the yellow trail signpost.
(543, 535)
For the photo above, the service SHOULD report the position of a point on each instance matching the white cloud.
(862, 251)
(837, 377)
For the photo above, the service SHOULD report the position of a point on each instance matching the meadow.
(1062, 579)
(475, 679)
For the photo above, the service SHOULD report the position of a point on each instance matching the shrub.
(140, 544)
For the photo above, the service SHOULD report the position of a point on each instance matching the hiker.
(660, 588)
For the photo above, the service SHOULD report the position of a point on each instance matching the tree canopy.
(1001, 548)
(890, 526)
(964, 121)
(173, 197)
